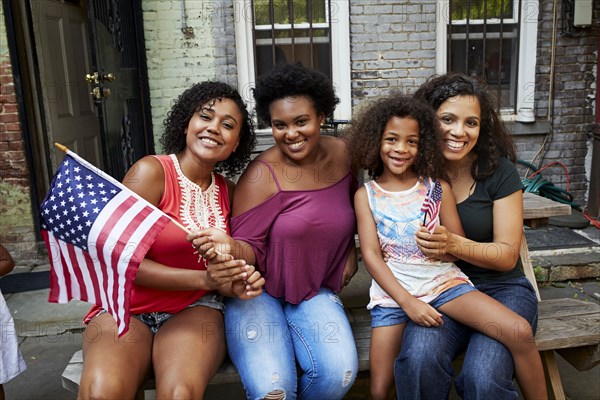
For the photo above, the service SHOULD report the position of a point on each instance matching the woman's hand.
(211, 242)
(350, 268)
(223, 269)
(422, 313)
(436, 244)
(249, 288)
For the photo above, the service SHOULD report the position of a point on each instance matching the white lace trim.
(199, 209)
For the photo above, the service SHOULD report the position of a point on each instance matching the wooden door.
(61, 38)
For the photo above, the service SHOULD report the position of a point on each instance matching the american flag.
(97, 232)
(431, 205)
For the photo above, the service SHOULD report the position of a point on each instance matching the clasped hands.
(222, 269)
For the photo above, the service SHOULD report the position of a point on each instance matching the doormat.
(553, 237)
(25, 282)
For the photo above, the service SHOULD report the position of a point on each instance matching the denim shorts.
(388, 316)
(154, 320)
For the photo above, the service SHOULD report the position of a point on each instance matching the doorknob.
(100, 93)
(97, 77)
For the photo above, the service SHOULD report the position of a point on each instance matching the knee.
(381, 392)
(278, 394)
(106, 387)
(180, 390)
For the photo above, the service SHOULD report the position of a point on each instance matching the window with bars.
(312, 32)
(495, 40)
(292, 31)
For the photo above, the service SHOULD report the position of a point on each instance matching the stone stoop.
(566, 264)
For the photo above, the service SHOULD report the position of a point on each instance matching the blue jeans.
(423, 369)
(267, 336)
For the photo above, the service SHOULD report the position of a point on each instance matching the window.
(312, 32)
(492, 39)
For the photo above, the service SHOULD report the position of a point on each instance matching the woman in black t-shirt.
(488, 193)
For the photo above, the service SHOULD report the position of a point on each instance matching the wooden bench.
(569, 327)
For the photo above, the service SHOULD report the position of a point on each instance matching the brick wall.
(392, 45)
(16, 221)
(181, 53)
(574, 91)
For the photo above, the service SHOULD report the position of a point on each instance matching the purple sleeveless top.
(301, 238)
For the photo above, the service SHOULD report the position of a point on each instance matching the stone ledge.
(566, 266)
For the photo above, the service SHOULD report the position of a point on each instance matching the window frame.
(528, 30)
(340, 53)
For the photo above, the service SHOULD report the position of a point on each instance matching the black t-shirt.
(477, 219)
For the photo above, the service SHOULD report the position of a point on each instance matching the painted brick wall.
(183, 51)
(573, 99)
(392, 46)
(16, 221)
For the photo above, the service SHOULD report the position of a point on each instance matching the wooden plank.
(535, 206)
(556, 308)
(568, 331)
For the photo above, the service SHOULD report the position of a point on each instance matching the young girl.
(397, 141)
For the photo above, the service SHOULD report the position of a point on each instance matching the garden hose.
(535, 183)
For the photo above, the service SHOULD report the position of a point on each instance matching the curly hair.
(494, 139)
(190, 102)
(287, 80)
(365, 134)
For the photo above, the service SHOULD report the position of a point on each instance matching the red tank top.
(194, 208)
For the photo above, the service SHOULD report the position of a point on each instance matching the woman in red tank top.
(177, 326)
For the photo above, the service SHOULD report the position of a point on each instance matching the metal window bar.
(470, 40)
(296, 43)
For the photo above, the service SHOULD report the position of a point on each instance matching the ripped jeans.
(267, 336)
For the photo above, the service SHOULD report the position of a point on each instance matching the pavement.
(51, 333)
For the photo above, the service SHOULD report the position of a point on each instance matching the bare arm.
(146, 178)
(6, 261)
(499, 255)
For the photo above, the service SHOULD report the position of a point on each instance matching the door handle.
(97, 78)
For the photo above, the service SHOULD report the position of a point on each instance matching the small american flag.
(431, 205)
(97, 232)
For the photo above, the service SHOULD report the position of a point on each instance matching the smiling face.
(460, 119)
(296, 126)
(399, 146)
(213, 132)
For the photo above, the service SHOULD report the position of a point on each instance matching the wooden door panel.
(61, 35)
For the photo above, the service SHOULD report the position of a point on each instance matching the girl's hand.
(211, 242)
(422, 313)
(223, 270)
(434, 245)
(251, 287)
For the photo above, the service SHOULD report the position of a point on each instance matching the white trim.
(527, 53)
(340, 57)
(243, 50)
(340, 53)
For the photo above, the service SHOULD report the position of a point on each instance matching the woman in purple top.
(293, 218)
